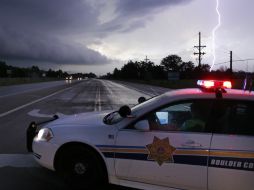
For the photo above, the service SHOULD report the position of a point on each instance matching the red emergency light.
(214, 84)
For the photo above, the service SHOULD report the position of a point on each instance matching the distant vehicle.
(68, 78)
(201, 138)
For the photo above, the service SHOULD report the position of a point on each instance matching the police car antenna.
(251, 85)
(247, 83)
(218, 92)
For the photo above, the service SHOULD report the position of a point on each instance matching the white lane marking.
(18, 160)
(35, 113)
(97, 102)
(33, 102)
(113, 95)
(99, 99)
(32, 87)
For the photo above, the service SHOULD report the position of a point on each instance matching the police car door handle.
(110, 136)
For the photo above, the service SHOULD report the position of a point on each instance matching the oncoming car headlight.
(45, 134)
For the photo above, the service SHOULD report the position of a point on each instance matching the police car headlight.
(45, 134)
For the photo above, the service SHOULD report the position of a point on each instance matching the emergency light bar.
(214, 84)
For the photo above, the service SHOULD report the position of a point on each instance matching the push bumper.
(44, 153)
(31, 132)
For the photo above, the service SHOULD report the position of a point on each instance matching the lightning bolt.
(213, 33)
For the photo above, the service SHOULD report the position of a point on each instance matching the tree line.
(36, 72)
(172, 64)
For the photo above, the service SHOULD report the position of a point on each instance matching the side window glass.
(241, 119)
(219, 117)
(233, 117)
(186, 116)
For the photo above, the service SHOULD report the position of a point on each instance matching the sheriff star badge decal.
(160, 150)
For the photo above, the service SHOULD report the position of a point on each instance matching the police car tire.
(80, 168)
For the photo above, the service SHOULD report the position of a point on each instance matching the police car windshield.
(142, 105)
(114, 117)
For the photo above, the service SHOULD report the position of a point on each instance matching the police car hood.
(84, 119)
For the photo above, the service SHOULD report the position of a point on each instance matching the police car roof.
(199, 93)
(187, 94)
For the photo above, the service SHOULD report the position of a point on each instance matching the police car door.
(231, 161)
(169, 154)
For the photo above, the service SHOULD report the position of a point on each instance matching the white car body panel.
(179, 176)
(88, 128)
(46, 151)
(233, 151)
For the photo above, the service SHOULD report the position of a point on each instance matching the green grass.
(14, 81)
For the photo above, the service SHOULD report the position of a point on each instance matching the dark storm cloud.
(141, 7)
(48, 15)
(22, 46)
(133, 14)
(43, 31)
(47, 30)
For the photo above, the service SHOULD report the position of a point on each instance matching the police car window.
(238, 117)
(185, 116)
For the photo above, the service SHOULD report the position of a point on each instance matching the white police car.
(183, 139)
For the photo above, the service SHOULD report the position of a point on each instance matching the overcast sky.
(99, 35)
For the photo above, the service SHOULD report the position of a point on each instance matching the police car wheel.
(80, 168)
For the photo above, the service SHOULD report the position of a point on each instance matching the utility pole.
(231, 62)
(146, 59)
(199, 47)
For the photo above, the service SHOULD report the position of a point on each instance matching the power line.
(237, 60)
(250, 59)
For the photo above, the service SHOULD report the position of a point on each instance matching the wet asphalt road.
(19, 105)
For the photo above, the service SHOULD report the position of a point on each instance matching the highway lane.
(144, 88)
(12, 97)
(22, 88)
(37, 178)
(86, 96)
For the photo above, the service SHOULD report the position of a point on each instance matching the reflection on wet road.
(25, 103)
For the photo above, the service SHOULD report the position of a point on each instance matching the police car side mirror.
(141, 99)
(142, 125)
(124, 111)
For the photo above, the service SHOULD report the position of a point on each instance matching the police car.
(200, 138)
